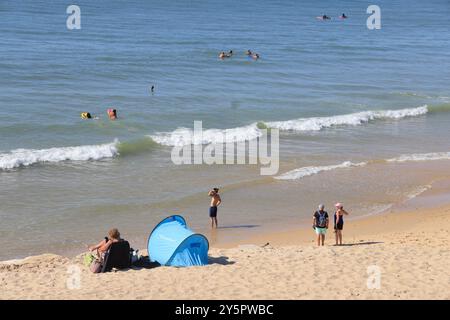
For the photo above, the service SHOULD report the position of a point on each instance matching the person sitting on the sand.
(103, 246)
(339, 222)
(320, 224)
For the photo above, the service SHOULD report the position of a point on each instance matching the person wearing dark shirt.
(320, 224)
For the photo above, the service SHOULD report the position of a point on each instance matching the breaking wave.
(353, 119)
(421, 157)
(26, 157)
(185, 136)
(309, 171)
(312, 170)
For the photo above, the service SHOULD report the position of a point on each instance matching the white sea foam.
(353, 119)
(418, 191)
(26, 157)
(309, 171)
(422, 157)
(185, 136)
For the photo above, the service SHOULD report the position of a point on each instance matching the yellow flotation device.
(86, 115)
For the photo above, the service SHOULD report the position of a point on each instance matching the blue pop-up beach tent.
(172, 243)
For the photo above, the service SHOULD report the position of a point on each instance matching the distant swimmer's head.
(249, 52)
(339, 205)
(112, 114)
(321, 207)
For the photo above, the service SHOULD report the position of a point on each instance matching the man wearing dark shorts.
(215, 202)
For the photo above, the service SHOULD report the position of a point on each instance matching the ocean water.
(363, 114)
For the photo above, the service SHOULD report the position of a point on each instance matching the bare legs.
(320, 239)
(213, 222)
(338, 237)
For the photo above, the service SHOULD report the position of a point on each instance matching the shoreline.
(407, 244)
(366, 224)
(284, 235)
(276, 208)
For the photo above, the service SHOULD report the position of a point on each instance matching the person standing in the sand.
(339, 222)
(320, 224)
(215, 202)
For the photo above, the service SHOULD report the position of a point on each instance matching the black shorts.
(213, 212)
(339, 226)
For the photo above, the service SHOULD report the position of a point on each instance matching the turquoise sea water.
(120, 173)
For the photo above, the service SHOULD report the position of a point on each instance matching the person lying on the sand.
(102, 247)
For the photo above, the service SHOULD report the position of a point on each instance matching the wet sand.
(407, 248)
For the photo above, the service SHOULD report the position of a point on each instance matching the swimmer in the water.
(343, 16)
(152, 89)
(112, 114)
(325, 17)
(255, 56)
(224, 55)
(249, 53)
(85, 115)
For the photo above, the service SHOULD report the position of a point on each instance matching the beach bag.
(88, 259)
(96, 266)
(134, 255)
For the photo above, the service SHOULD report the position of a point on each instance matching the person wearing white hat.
(339, 222)
(320, 224)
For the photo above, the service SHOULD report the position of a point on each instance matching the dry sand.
(410, 249)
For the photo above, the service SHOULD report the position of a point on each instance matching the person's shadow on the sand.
(147, 264)
(240, 226)
(359, 244)
(220, 260)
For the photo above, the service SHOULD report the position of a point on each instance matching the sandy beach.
(278, 107)
(409, 249)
